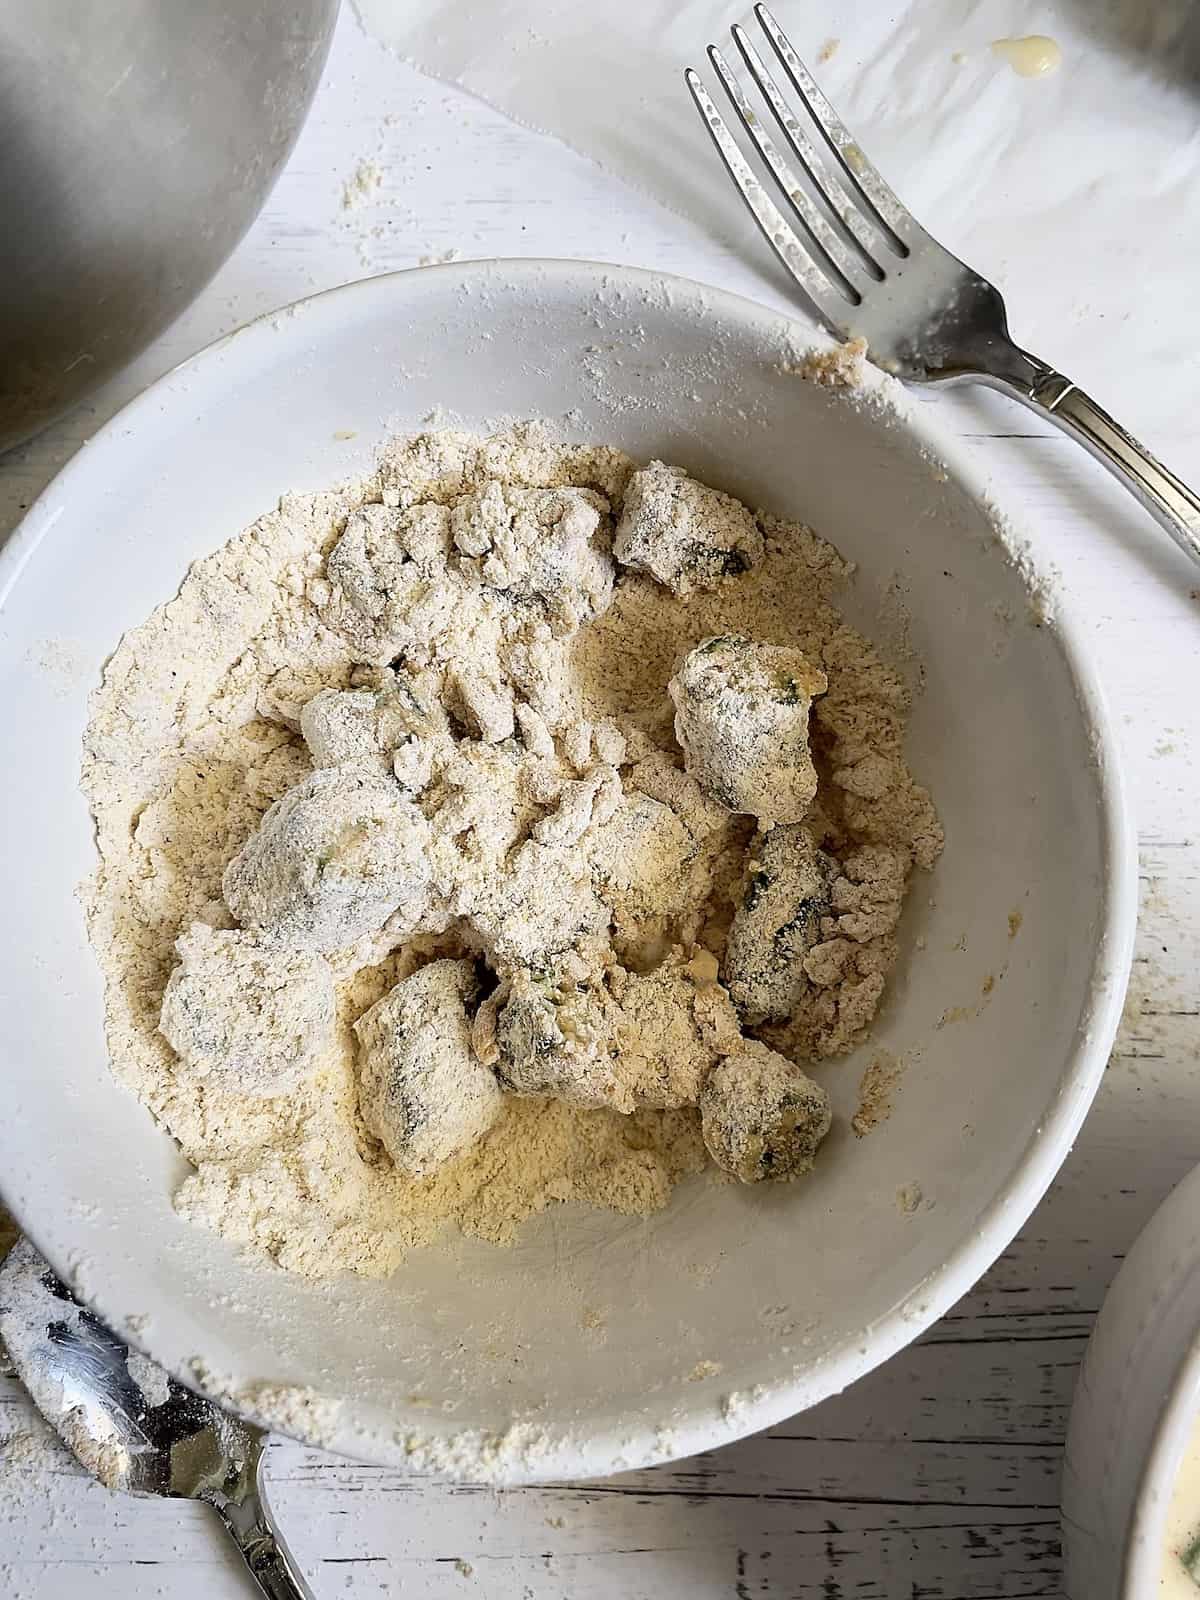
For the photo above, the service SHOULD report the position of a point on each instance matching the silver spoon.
(130, 1424)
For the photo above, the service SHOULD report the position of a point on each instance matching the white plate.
(473, 1360)
(1136, 1404)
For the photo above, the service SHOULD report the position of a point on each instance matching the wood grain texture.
(937, 1476)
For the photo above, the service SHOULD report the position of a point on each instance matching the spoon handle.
(262, 1546)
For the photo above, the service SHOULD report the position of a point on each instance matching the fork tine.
(779, 235)
(878, 200)
(825, 248)
(820, 175)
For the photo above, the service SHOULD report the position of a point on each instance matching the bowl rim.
(1136, 1403)
(986, 1235)
(1141, 1557)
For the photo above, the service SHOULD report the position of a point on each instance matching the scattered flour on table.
(362, 184)
(408, 749)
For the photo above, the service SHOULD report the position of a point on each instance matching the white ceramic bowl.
(1136, 1404)
(473, 1360)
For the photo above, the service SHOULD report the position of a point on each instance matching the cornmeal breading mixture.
(515, 826)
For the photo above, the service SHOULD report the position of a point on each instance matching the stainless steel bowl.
(138, 140)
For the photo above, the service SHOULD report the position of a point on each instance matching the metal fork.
(870, 270)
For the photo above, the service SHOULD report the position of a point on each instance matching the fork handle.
(1165, 496)
(251, 1526)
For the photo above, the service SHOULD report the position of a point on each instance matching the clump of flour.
(398, 776)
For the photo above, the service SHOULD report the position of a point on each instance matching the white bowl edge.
(1136, 1403)
(1048, 1144)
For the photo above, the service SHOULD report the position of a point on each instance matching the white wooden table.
(938, 1475)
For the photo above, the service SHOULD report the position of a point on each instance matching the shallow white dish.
(1136, 1404)
(475, 1361)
